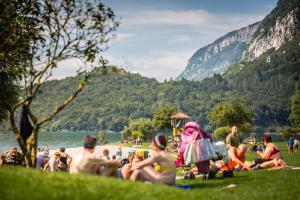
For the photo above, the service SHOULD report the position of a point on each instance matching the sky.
(156, 38)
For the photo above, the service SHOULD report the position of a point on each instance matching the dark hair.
(89, 142)
(160, 141)
(267, 138)
(62, 149)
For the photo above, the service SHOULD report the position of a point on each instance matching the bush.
(289, 132)
(101, 137)
(222, 132)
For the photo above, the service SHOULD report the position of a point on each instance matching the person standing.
(296, 145)
(233, 139)
(291, 145)
(64, 160)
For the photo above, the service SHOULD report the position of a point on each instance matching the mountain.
(268, 81)
(279, 27)
(216, 57)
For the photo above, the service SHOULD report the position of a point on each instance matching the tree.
(17, 30)
(295, 109)
(234, 112)
(140, 127)
(101, 137)
(60, 30)
(221, 132)
(289, 132)
(162, 118)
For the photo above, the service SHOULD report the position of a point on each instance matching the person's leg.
(203, 167)
(109, 171)
(125, 170)
(268, 164)
(145, 174)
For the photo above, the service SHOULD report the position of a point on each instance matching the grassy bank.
(21, 183)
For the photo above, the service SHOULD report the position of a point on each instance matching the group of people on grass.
(161, 166)
(137, 169)
(269, 158)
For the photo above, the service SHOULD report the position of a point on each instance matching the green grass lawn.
(21, 183)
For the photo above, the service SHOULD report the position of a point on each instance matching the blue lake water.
(54, 140)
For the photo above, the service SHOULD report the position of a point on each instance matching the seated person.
(53, 162)
(126, 171)
(13, 158)
(274, 164)
(236, 160)
(88, 163)
(271, 155)
(165, 171)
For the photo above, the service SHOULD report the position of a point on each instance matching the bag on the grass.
(221, 151)
(199, 150)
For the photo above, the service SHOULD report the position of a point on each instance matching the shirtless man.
(237, 157)
(88, 163)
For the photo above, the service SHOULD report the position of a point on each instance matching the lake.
(54, 140)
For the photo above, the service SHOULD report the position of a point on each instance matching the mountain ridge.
(217, 56)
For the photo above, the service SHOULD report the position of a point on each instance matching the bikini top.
(274, 152)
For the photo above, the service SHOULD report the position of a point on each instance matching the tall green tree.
(234, 112)
(60, 30)
(162, 118)
(295, 109)
(17, 32)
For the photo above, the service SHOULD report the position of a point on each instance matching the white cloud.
(201, 20)
(165, 62)
(167, 17)
(66, 68)
(121, 36)
(157, 64)
(179, 39)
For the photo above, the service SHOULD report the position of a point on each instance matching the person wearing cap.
(42, 160)
(87, 162)
(165, 170)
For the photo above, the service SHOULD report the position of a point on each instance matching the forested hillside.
(110, 102)
(267, 80)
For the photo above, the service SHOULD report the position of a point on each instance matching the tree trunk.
(25, 150)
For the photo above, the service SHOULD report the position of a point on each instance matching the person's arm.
(228, 142)
(266, 154)
(232, 155)
(100, 161)
(69, 160)
(147, 162)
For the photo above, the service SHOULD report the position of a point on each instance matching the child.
(165, 171)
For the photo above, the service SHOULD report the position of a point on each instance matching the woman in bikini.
(165, 170)
(271, 157)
